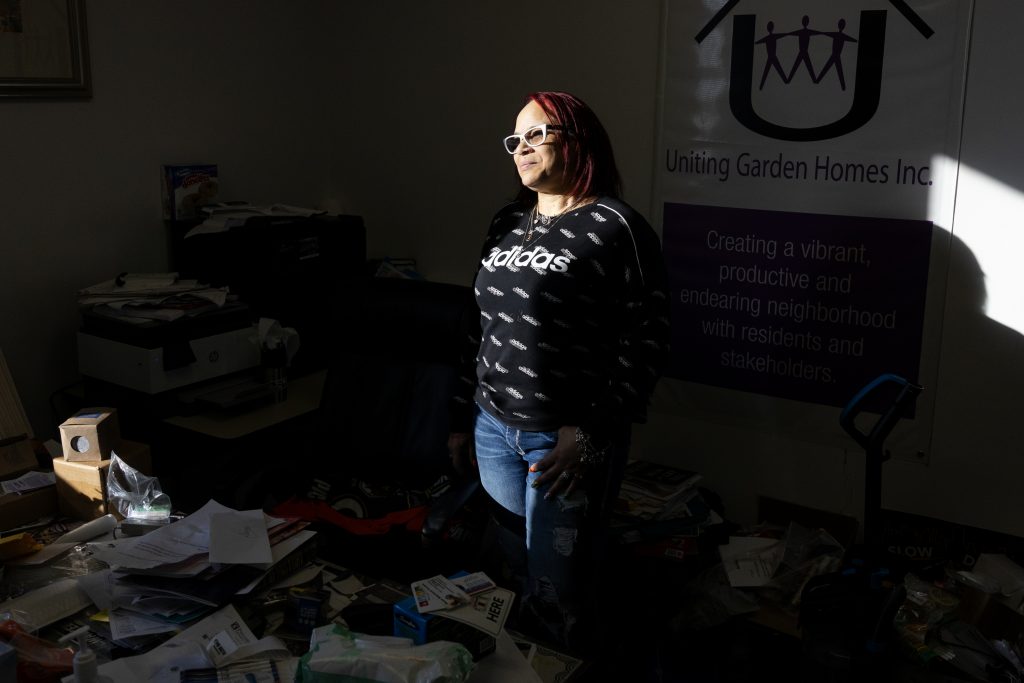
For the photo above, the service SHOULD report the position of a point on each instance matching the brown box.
(19, 509)
(16, 457)
(82, 486)
(90, 434)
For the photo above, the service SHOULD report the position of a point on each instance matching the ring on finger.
(565, 475)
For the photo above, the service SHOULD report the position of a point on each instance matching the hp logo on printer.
(214, 356)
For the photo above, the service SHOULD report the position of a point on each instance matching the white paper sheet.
(239, 538)
(219, 639)
(30, 481)
(125, 624)
(170, 544)
(278, 552)
(751, 561)
(178, 549)
(505, 664)
(99, 586)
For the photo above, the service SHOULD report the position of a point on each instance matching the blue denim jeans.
(564, 535)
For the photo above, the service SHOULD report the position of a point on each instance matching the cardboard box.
(16, 457)
(82, 486)
(19, 509)
(90, 434)
(187, 187)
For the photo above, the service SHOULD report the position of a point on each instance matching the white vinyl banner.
(806, 162)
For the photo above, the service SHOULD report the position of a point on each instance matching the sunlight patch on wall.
(987, 219)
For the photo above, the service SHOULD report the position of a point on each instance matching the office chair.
(380, 455)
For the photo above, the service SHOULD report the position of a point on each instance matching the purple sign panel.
(802, 306)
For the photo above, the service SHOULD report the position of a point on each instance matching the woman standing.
(573, 335)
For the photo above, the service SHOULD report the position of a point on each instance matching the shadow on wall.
(981, 389)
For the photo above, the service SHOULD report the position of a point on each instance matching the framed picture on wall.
(43, 49)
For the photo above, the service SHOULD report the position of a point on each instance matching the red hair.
(590, 169)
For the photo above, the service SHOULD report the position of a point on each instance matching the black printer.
(299, 270)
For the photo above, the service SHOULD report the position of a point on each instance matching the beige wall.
(237, 83)
(432, 88)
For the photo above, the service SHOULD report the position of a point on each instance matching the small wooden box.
(90, 434)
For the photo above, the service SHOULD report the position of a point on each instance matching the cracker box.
(187, 187)
(90, 434)
(82, 486)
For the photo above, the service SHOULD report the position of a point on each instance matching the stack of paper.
(223, 217)
(661, 510)
(182, 571)
(653, 491)
(219, 641)
(151, 296)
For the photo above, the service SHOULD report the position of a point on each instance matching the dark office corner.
(379, 443)
(300, 271)
(685, 639)
(295, 270)
(668, 630)
(667, 622)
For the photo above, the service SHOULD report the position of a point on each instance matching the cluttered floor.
(823, 616)
(688, 596)
(678, 624)
(695, 598)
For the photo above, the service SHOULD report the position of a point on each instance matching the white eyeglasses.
(533, 137)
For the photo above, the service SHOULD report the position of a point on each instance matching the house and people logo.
(759, 36)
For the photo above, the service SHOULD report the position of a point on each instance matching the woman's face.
(541, 168)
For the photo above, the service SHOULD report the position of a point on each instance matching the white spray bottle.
(86, 668)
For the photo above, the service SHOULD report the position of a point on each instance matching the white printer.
(156, 356)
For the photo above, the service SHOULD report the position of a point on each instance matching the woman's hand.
(561, 467)
(462, 451)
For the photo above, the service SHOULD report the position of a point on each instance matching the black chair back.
(385, 407)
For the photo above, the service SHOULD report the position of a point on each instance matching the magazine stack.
(660, 510)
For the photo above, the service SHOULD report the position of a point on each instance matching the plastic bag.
(134, 495)
(926, 605)
(808, 553)
(337, 655)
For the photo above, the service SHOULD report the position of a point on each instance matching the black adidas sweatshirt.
(574, 323)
